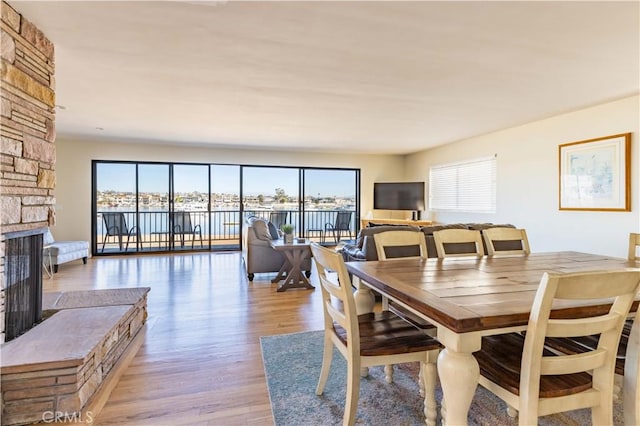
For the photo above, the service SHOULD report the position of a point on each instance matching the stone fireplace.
(27, 132)
(64, 367)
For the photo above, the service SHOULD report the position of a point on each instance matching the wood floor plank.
(200, 363)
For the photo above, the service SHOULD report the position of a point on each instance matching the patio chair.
(182, 226)
(278, 218)
(342, 224)
(115, 225)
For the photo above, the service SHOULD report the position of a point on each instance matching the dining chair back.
(182, 226)
(400, 245)
(501, 240)
(536, 381)
(458, 242)
(369, 339)
(634, 243)
(341, 226)
(396, 245)
(115, 225)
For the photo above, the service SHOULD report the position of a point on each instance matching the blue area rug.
(292, 365)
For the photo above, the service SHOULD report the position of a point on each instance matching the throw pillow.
(261, 230)
(273, 231)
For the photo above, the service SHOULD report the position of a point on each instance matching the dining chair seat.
(385, 333)
(500, 360)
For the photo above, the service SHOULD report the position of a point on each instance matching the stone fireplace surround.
(27, 132)
(70, 362)
(65, 367)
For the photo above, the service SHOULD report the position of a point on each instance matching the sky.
(225, 179)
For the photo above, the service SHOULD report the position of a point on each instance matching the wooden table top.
(469, 294)
(281, 245)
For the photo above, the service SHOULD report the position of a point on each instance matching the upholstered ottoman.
(59, 252)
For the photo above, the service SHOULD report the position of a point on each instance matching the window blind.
(468, 186)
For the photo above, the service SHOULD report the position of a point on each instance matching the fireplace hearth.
(23, 281)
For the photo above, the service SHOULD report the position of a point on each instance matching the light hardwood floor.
(201, 362)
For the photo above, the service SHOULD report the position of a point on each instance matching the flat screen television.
(398, 196)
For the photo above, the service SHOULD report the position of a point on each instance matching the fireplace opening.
(23, 278)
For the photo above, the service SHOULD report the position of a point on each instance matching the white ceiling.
(371, 77)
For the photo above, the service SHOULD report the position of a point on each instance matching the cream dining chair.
(634, 243)
(467, 242)
(536, 381)
(505, 241)
(580, 344)
(399, 245)
(395, 245)
(367, 340)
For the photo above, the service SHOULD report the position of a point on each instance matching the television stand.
(382, 221)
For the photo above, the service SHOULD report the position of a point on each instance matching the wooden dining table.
(468, 298)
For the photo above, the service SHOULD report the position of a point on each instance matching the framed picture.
(595, 174)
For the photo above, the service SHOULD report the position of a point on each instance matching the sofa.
(257, 254)
(58, 252)
(364, 248)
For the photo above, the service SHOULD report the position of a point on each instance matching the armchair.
(257, 253)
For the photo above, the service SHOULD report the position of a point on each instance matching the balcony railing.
(219, 229)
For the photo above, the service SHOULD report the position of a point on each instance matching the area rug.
(292, 365)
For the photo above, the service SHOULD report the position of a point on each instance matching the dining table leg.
(459, 373)
(365, 301)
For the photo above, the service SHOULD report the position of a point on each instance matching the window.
(468, 186)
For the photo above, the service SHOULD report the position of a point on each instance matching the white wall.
(73, 172)
(527, 179)
(527, 173)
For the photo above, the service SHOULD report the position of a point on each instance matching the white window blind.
(468, 186)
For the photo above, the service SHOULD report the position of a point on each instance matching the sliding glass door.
(225, 207)
(273, 194)
(330, 208)
(154, 200)
(150, 207)
(115, 193)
